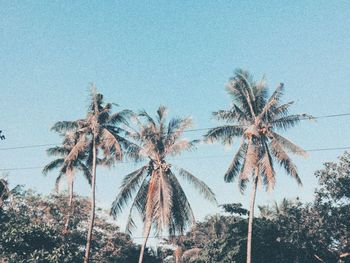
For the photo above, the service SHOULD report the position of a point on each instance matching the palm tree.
(254, 118)
(277, 209)
(159, 199)
(100, 130)
(67, 168)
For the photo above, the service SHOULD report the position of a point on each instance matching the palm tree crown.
(67, 168)
(101, 127)
(159, 195)
(159, 198)
(254, 117)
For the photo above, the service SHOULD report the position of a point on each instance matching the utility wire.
(27, 146)
(191, 158)
(190, 130)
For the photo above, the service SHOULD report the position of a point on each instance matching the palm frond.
(139, 203)
(176, 128)
(55, 164)
(248, 85)
(63, 126)
(110, 144)
(163, 202)
(150, 211)
(57, 182)
(236, 164)
(58, 151)
(289, 121)
(273, 101)
(180, 146)
(182, 213)
(281, 110)
(250, 161)
(233, 115)
(287, 144)
(161, 114)
(85, 170)
(121, 117)
(236, 88)
(242, 183)
(284, 160)
(225, 133)
(198, 184)
(150, 120)
(79, 147)
(266, 169)
(128, 187)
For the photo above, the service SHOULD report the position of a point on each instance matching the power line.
(191, 158)
(190, 130)
(332, 116)
(27, 146)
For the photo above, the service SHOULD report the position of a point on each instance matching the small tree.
(68, 168)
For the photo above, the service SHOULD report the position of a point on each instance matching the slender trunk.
(147, 232)
(178, 254)
(70, 204)
(251, 216)
(92, 216)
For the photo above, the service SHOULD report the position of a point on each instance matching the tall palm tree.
(101, 131)
(254, 118)
(159, 198)
(67, 168)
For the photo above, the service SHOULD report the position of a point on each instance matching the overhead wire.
(193, 158)
(189, 130)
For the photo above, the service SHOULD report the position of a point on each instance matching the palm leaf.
(57, 182)
(284, 160)
(55, 164)
(198, 184)
(182, 213)
(289, 121)
(287, 144)
(58, 151)
(274, 100)
(63, 126)
(225, 133)
(129, 185)
(181, 146)
(266, 168)
(236, 164)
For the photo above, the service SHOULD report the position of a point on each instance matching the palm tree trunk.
(147, 232)
(70, 204)
(251, 216)
(92, 216)
(178, 254)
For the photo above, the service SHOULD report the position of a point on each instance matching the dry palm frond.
(159, 197)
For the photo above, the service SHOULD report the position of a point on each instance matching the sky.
(142, 54)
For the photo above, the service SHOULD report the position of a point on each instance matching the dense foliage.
(287, 232)
(31, 231)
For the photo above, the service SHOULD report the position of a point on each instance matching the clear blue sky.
(176, 53)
